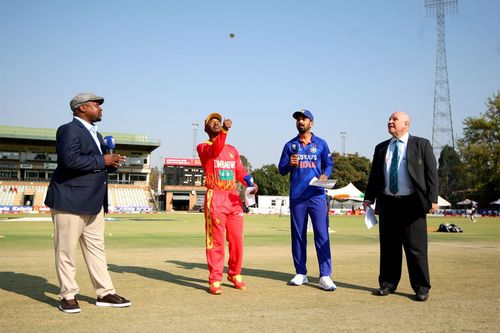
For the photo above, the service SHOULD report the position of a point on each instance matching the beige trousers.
(69, 229)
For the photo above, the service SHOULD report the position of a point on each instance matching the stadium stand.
(28, 159)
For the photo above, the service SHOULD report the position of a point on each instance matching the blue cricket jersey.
(314, 161)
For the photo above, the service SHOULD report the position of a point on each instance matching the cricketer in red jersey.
(223, 210)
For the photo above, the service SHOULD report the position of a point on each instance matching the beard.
(301, 129)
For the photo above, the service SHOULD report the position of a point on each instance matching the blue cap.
(303, 113)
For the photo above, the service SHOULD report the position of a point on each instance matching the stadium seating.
(129, 199)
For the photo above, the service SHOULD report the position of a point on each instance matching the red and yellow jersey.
(221, 163)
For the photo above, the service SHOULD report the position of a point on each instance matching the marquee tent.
(466, 202)
(443, 203)
(349, 192)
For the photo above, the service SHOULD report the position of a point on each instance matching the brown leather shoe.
(113, 300)
(69, 306)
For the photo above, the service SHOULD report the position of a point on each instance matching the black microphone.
(110, 144)
(295, 150)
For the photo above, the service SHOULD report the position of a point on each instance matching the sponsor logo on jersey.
(307, 164)
(221, 164)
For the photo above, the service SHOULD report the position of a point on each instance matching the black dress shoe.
(421, 297)
(383, 291)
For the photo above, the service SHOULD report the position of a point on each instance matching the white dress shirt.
(405, 186)
(93, 131)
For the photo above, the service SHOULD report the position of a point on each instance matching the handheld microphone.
(295, 150)
(110, 144)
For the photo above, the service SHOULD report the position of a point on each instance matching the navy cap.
(304, 113)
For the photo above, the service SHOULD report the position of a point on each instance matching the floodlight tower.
(442, 126)
(343, 136)
(195, 138)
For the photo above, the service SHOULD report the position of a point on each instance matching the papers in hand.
(370, 219)
(329, 183)
(249, 197)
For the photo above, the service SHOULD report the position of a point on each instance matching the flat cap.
(84, 98)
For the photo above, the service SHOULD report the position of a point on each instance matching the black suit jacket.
(80, 182)
(422, 169)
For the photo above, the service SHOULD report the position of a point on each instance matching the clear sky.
(163, 64)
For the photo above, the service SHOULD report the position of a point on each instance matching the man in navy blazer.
(403, 181)
(78, 198)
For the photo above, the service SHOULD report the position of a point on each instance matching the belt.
(399, 197)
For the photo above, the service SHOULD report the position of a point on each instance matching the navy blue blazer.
(80, 182)
(422, 168)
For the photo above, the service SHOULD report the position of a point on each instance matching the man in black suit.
(403, 181)
(78, 198)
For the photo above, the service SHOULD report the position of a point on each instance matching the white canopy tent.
(466, 202)
(349, 192)
(443, 203)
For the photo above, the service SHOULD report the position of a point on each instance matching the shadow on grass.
(34, 287)
(37, 287)
(153, 273)
(267, 274)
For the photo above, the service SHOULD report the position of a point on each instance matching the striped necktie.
(393, 170)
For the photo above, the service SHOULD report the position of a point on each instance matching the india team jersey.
(314, 161)
(221, 163)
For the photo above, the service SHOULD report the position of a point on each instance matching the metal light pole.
(195, 139)
(343, 136)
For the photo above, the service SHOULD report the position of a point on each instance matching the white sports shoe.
(326, 283)
(298, 280)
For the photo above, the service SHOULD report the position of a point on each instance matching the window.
(8, 174)
(113, 178)
(137, 178)
(30, 174)
(9, 155)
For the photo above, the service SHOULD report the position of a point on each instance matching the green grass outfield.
(158, 261)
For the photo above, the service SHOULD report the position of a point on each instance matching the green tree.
(480, 151)
(270, 181)
(153, 178)
(248, 167)
(450, 174)
(246, 164)
(351, 168)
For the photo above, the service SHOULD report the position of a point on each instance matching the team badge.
(313, 150)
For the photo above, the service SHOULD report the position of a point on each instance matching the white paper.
(329, 183)
(370, 218)
(249, 197)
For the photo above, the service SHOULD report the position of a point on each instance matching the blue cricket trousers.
(315, 207)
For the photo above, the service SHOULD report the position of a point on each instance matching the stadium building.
(28, 158)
